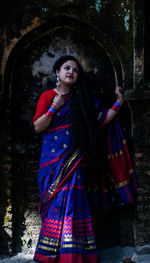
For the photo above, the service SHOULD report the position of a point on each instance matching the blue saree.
(67, 234)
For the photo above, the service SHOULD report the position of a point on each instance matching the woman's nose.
(71, 70)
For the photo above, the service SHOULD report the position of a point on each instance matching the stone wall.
(141, 113)
(107, 37)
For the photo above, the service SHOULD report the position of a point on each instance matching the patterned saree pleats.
(67, 228)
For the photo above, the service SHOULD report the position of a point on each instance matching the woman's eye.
(67, 68)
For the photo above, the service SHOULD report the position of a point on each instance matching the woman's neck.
(62, 89)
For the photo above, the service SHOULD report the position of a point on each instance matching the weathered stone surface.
(33, 35)
(141, 250)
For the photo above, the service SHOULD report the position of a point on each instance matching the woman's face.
(68, 73)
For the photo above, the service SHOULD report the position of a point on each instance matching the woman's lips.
(71, 77)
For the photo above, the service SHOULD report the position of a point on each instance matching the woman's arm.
(44, 121)
(112, 113)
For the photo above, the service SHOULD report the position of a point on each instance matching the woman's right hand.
(58, 101)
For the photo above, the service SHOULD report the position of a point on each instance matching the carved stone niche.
(29, 73)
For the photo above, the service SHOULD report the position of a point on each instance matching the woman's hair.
(83, 113)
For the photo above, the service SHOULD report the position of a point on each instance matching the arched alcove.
(28, 73)
(52, 25)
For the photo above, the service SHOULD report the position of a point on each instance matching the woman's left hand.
(119, 94)
(112, 113)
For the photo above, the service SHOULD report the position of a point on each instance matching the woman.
(71, 125)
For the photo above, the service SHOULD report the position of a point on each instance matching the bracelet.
(54, 106)
(50, 113)
(116, 106)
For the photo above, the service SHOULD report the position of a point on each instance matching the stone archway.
(55, 24)
(27, 74)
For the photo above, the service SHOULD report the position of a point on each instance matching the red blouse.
(44, 103)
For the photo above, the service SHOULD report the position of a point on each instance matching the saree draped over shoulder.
(67, 234)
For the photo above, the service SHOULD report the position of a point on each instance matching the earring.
(57, 81)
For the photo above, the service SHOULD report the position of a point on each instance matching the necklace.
(62, 93)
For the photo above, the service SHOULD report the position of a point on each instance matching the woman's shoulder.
(44, 103)
(46, 97)
(48, 93)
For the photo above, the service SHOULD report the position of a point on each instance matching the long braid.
(84, 122)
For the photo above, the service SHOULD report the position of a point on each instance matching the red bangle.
(115, 108)
(51, 111)
(49, 114)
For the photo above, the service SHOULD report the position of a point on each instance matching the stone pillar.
(140, 101)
